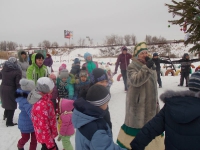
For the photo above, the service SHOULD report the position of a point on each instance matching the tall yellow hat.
(139, 48)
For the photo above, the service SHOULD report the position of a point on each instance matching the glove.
(149, 62)
(59, 138)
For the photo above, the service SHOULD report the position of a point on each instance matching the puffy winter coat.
(54, 93)
(66, 126)
(24, 122)
(34, 72)
(48, 61)
(10, 75)
(80, 88)
(90, 65)
(179, 118)
(123, 60)
(23, 63)
(65, 89)
(43, 118)
(75, 70)
(92, 130)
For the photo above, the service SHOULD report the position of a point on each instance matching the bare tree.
(120, 40)
(133, 39)
(153, 39)
(148, 39)
(162, 40)
(40, 44)
(55, 44)
(81, 42)
(20, 46)
(30, 46)
(3, 46)
(11, 45)
(127, 39)
(111, 40)
(46, 44)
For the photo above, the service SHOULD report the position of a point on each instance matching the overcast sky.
(32, 21)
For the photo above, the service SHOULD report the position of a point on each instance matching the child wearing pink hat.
(65, 126)
(63, 66)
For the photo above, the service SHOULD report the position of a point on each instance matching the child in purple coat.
(65, 126)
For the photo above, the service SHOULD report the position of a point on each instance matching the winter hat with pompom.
(98, 95)
(86, 55)
(63, 66)
(194, 82)
(64, 73)
(44, 85)
(27, 85)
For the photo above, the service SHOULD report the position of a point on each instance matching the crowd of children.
(54, 106)
(40, 100)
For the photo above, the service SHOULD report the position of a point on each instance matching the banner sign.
(68, 34)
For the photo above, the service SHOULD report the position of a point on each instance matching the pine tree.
(189, 13)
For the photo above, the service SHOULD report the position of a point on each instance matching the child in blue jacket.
(64, 85)
(25, 124)
(93, 132)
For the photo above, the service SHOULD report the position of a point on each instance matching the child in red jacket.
(43, 114)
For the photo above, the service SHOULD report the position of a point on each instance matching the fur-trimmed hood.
(183, 106)
(170, 94)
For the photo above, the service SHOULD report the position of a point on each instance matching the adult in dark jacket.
(48, 62)
(157, 62)
(179, 118)
(123, 60)
(10, 75)
(185, 68)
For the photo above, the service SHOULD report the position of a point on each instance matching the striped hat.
(98, 95)
(194, 82)
(139, 48)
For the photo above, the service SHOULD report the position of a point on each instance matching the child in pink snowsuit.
(65, 126)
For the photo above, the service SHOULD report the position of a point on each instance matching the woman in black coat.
(179, 118)
(10, 76)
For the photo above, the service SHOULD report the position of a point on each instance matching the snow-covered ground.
(9, 136)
